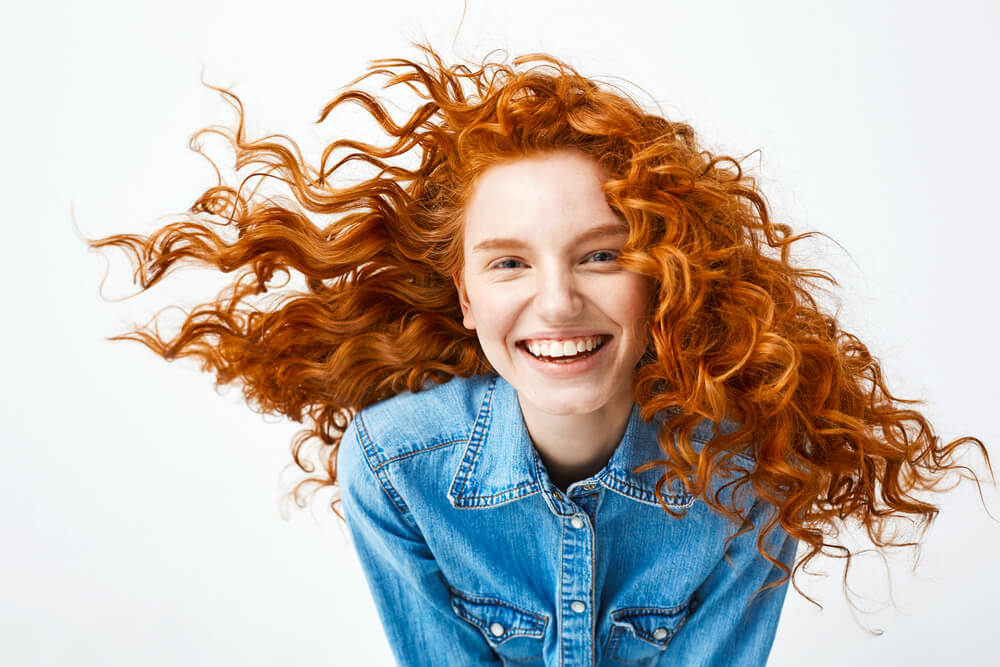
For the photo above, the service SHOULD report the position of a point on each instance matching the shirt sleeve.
(410, 593)
(726, 627)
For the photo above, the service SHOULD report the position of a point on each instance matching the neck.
(574, 447)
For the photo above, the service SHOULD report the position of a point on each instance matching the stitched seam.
(475, 441)
(620, 633)
(508, 634)
(541, 619)
(625, 614)
(371, 451)
(593, 596)
(554, 507)
(504, 492)
(562, 578)
(489, 502)
(633, 487)
(638, 493)
(613, 641)
(419, 451)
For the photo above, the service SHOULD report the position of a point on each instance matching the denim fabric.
(474, 557)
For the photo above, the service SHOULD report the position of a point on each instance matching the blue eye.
(612, 255)
(499, 264)
(603, 257)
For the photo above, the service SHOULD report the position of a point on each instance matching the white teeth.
(566, 348)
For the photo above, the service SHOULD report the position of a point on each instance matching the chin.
(565, 405)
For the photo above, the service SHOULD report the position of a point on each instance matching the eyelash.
(599, 252)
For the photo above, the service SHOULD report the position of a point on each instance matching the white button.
(578, 606)
(577, 522)
(497, 629)
(588, 487)
(659, 633)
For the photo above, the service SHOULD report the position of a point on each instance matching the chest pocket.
(640, 635)
(515, 634)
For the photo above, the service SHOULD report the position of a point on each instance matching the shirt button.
(577, 522)
(660, 633)
(578, 606)
(588, 487)
(497, 629)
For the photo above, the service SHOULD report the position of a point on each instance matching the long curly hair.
(735, 330)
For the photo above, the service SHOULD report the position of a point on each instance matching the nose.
(557, 298)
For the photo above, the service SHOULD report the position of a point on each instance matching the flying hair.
(735, 329)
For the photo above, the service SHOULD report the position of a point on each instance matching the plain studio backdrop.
(141, 519)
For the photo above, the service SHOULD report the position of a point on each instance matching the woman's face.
(539, 274)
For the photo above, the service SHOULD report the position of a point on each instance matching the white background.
(140, 513)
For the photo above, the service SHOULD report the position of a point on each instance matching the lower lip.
(566, 368)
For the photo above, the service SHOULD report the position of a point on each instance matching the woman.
(580, 404)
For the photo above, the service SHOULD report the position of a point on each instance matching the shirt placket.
(576, 592)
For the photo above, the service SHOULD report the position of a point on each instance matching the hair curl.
(735, 330)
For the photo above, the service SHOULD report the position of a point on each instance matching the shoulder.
(408, 423)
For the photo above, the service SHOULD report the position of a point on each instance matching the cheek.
(630, 300)
(495, 311)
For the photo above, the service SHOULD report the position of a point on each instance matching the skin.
(555, 282)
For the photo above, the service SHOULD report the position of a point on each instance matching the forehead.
(558, 191)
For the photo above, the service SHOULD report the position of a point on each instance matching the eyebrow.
(598, 232)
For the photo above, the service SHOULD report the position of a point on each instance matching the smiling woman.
(578, 400)
(554, 301)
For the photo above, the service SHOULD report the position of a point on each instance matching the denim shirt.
(474, 557)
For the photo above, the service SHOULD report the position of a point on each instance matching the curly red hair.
(735, 330)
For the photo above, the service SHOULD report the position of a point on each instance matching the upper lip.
(562, 335)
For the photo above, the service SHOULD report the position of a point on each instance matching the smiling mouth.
(564, 359)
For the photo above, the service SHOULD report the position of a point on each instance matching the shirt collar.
(500, 463)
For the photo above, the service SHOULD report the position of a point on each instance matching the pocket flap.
(497, 619)
(655, 625)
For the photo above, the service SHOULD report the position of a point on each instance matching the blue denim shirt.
(474, 557)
